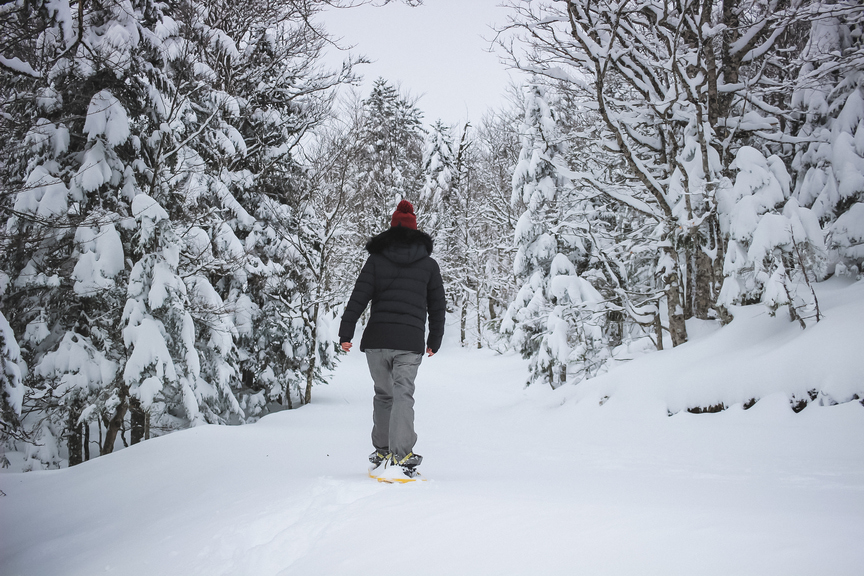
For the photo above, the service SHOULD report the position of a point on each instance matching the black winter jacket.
(404, 284)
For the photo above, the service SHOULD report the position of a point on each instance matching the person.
(404, 285)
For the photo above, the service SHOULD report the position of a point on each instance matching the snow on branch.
(18, 66)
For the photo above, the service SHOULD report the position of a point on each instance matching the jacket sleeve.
(364, 288)
(436, 304)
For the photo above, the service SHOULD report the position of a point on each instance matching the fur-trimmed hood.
(401, 245)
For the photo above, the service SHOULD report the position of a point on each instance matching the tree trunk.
(730, 61)
(75, 433)
(86, 441)
(710, 69)
(615, 327)
(677, 328)
(113, 426)
(558, 375)
(136, 418)
(703, 291)
(658, 330)
(310, 377)
(463, 318)
(287, 398)
(689, 291)
(719, 247)
(313, 356)
(479, 325)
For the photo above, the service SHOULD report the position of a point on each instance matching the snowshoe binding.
(378, 462)
(393, 469)
(379, 456)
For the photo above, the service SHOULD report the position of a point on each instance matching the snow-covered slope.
(523, 481)
(755, 356)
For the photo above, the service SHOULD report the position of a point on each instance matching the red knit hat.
(404, 216)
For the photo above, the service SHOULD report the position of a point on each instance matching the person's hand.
(346, 346)
(428, 351)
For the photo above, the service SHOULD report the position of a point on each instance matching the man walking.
(404, 285)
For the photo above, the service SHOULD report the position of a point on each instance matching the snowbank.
(755, 356)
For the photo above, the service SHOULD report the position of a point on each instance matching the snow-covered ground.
(522, 481)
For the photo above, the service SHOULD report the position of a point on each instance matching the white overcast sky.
(437, 52)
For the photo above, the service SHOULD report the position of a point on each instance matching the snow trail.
(522, 481)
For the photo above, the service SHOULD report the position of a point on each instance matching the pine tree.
(391, 147)
(159, 331)
(438, 160)
(448, 214)
(149, 165)
(545, 249)
(829, 101)
(774, 243)
(11, 385)
(77, 173)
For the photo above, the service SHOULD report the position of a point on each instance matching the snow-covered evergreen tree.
(437, 212)
(829, 98)
(390, 160)
(776, 248)
(546, 250)
(449, 212)
(163, 364)
(438, 160)
(12, 389)
(149, 136)
(67, 239)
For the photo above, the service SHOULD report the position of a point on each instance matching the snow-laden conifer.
(545, 322)
(69, 264)
(12, 389)
(776, 247)
(145, 144)
(829, 99)
(163, 364)
(438, 171)
(390, 142)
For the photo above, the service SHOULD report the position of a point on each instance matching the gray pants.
(393, 414)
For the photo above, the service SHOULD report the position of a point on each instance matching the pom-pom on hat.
(404, 216)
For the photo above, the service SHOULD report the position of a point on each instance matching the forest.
(186, 190)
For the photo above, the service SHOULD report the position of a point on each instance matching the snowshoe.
(392, 470)
(396, 475)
